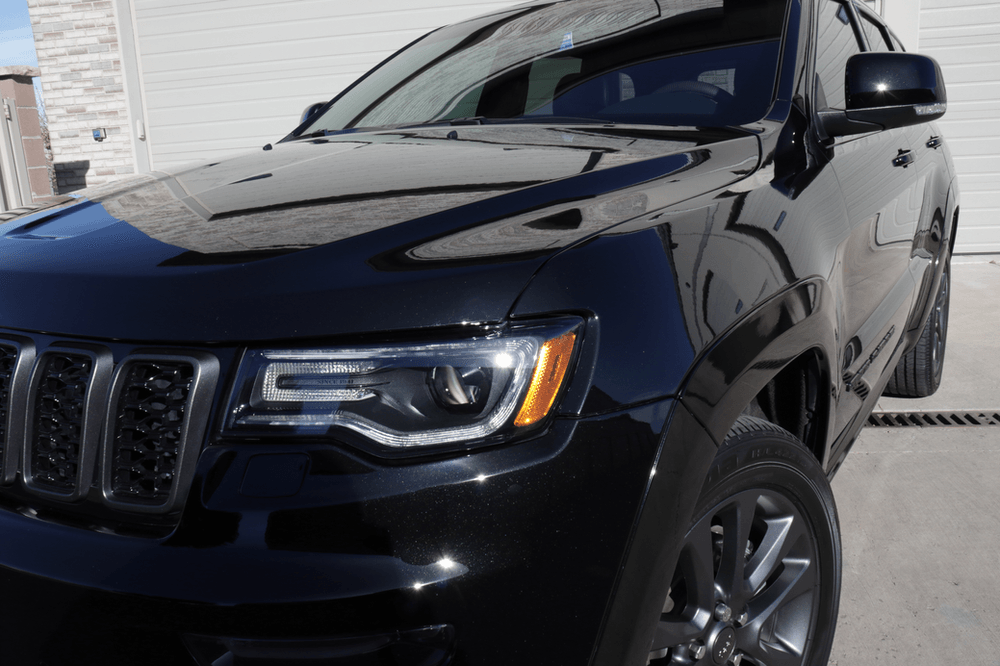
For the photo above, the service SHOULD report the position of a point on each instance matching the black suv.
(535, 346)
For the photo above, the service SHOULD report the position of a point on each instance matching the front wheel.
(758, 579)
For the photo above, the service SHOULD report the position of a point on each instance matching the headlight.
(407, 395)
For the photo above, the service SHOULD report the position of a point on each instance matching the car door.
(883, 179)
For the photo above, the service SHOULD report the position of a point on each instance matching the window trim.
(866, 13)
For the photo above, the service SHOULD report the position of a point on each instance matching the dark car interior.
(622, 79)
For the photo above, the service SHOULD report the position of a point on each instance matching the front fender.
(740, 363)
(720, 384)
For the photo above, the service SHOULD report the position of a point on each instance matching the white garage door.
(222, 76)
(964, 36)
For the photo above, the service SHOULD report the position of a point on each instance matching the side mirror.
(887, 90)
(311, 111)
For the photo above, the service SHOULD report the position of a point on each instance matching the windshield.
(707, 63)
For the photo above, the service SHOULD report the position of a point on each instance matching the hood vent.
(70, 222)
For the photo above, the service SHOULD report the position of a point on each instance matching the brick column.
(82, 83)
(16, 84)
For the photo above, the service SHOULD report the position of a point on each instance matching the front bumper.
(505, 556)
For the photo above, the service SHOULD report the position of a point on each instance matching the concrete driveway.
(920, 508)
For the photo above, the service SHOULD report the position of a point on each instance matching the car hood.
(346, 234)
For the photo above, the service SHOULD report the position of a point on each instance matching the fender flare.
(726, 377)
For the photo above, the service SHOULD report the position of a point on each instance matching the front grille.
(148, 427)
(72, 421)
(57, 427)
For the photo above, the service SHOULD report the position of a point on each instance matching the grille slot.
(57, 427)
(17, 355)
(68, 388)
(8, 364)
(156, 420)
(148, 427)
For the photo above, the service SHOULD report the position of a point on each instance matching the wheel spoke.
(699, 567)
(766, 655)
(737, 521)
(783, 532)
(782, 615)
(671, 632)
(695, 571)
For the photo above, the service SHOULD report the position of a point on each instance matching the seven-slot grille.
(69, 415)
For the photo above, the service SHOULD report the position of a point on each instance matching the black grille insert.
(156, 419)
(8, 363)
(84, 435)
(57, 424)
(148, 429)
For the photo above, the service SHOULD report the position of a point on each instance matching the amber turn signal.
(553, 361)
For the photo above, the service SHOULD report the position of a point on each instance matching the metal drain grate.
(933, 419)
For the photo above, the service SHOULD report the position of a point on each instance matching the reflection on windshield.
(708, 63)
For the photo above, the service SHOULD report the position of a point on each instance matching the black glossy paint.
(420, 238)
(712, 268)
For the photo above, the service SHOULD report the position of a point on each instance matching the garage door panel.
(303, 9)
(264, 24)
(193, 61)
(969, 35)
(964, 36)
(255, 133)
(970, 92)
(931, 5)
(983, 182)
(984, 240)
(317, 67)
(975, 146)
(307, 70)
(961, 14)
(980, 199)
(207, 121)
(258, 34)
(964, 126)
(226, 74)
(966, 55)
(970, 75)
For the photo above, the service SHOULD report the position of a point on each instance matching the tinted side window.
(876, 39)
(835, 44)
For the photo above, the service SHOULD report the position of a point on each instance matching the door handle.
(935, 142)
(904, 159)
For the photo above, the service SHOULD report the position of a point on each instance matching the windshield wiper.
(472, 120)
(468, 120)
(311, 135)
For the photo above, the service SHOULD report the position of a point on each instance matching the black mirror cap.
(886, 90)
(881, 79)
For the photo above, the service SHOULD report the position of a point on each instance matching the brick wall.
(83, 90)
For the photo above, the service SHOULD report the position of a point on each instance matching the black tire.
(765, 541)
(918, 373)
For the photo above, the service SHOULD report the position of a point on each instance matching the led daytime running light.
(553, 361)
